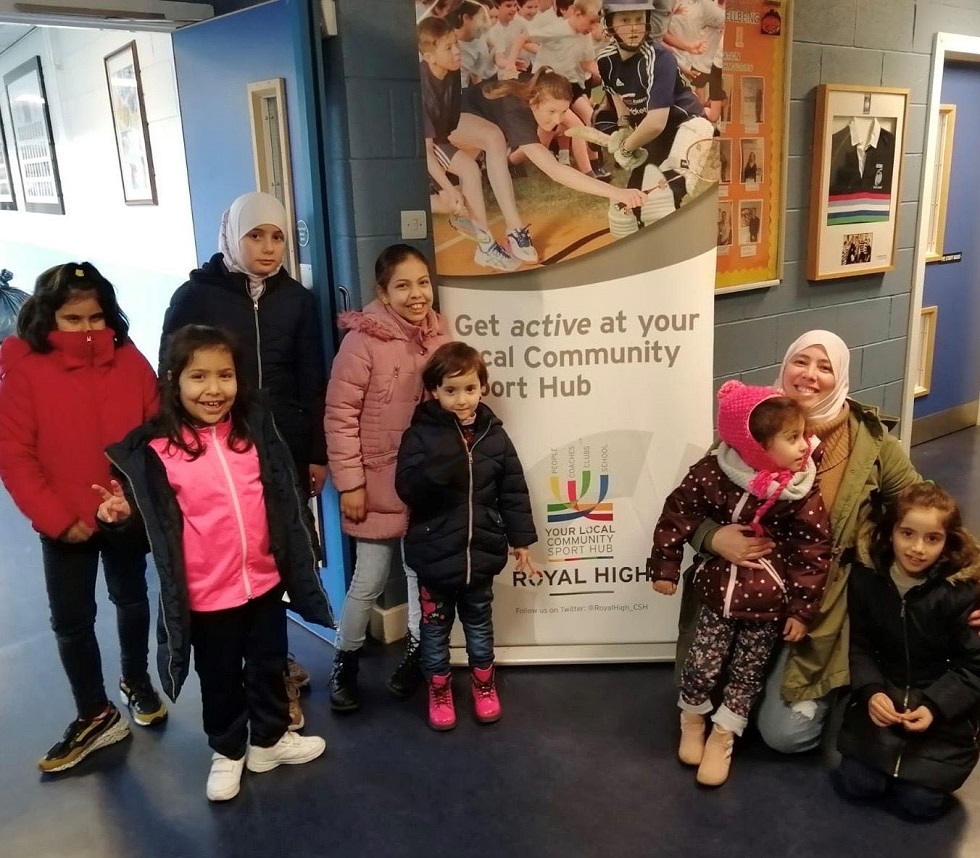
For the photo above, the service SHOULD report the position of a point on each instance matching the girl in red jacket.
(375, 384)
(72, 382)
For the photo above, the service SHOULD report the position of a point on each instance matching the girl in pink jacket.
(375, 384)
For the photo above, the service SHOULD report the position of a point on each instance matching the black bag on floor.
(11, 300)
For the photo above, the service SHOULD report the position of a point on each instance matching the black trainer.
(82, 738)
(407, 676)
(344, 696)
(144, 704)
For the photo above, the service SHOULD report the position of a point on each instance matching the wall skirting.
(944, 423)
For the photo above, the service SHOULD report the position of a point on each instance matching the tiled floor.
(581, 765)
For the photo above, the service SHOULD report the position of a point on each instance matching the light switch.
(414, 225)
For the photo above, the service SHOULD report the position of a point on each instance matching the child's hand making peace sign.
(114, 507)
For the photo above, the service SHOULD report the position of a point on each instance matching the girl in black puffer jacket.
(460, 477)
(913, 720)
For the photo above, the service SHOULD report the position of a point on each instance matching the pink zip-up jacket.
(227, 557)
(375, 384)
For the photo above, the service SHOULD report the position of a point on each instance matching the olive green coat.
(877, 470)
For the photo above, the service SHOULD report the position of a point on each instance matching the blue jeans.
(438, 613)
(861, 782)
(784, 727)
(371, 571)
(70, 571)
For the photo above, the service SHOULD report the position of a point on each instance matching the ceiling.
(10, 33)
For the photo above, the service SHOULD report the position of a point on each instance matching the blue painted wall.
(215, 61)
(955, 287)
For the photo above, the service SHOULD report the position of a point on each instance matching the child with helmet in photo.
(652, 105)
(761, 475)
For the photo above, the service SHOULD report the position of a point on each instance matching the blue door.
(955, 287)
(215, 62)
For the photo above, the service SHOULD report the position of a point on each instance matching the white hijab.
(246, 213)
(840, 359)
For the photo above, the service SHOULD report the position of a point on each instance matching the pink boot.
(486, 704)
(442, 713)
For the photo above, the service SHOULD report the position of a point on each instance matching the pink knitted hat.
(736, 402)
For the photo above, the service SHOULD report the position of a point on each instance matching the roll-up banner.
(584, 271)
(601, 370)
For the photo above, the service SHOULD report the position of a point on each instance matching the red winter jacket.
(58, 413)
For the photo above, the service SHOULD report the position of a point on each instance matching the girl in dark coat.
(246, 289)
(911, 726)
(462, 480)
(212, 483)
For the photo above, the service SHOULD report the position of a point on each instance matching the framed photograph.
(122, 71)
(8, 199)
(33, 140)
(858, 141)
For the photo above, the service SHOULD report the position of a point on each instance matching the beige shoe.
(717, 759)
(691, 749)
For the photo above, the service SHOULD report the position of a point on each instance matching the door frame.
(946, 47)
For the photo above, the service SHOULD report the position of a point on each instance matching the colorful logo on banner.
(573, 505)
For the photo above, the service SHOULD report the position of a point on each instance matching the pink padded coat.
(375, 384)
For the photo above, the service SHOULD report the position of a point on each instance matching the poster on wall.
(8, 199)
(752, 126)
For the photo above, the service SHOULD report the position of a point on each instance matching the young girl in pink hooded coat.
(375, 384)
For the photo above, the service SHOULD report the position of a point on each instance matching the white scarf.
(735, 468)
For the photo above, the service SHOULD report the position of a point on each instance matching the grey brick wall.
(874, 42)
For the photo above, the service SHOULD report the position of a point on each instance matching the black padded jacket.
(281, 344)
(291, 540)
(466, 505)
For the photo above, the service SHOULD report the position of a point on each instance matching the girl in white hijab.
(245, 289)
(265, 216)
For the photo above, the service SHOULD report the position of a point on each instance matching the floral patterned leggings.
(751, 644)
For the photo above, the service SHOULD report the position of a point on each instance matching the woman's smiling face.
(809, 376)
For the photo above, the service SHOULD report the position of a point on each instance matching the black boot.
(343, 682)
(407, 676)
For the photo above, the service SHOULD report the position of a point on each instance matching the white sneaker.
(519, 245)
(291, 750)
(225, 778)
(494, 256)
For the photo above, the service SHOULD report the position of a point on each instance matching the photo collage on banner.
(563, 226)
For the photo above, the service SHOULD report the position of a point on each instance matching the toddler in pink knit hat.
(762, 476)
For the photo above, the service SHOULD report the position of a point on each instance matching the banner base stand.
(600, 653)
